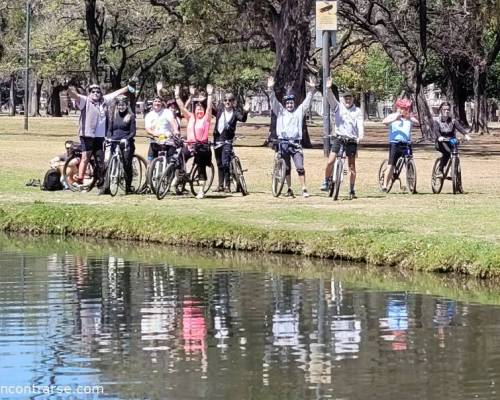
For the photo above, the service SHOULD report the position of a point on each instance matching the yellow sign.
(326, 15)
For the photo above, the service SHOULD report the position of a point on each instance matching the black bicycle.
(70, 171)
(451, 171)
(237, 179)
(176, 175)
(279, 168)
(339, 170)
(405, 162)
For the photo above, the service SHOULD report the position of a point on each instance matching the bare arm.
(361, 126)
(208, 113)
(414, 120)
(391, 118)
(180, 103)
(113, 95)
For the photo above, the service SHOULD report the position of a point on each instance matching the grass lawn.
(423, 231)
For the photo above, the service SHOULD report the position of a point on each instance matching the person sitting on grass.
(197, 133)
(400, 124)
(349, 126)
(59, 161)
(289, 120)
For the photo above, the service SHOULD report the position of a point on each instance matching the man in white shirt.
(348, 120)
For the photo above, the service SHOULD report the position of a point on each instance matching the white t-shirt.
(224, 119)
(160, 121)
(100, 130)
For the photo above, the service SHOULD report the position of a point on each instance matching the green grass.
(422, 232)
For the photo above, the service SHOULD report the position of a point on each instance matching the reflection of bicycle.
(176, 175)
(404, 162)
(450, 171)
(279, 168)
(338, 169)
(158, 165)
(235, 170)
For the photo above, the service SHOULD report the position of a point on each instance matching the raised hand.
(159, 87)
(247, 106)
(329, 83)
(270, 82)
(210, 90)
(177, 91)
(311, 83)
(192, 90)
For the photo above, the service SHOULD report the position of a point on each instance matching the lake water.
(85, 320)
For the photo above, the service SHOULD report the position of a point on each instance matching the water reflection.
(159, 330)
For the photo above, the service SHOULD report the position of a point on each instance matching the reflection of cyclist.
(400, 124)
(446, 127)
(289, 120)
(197, 133)
(122, 127)
(92, 129)
(349, 126)
(225, 126)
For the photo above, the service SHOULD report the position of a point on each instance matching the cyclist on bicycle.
(225, 127)
(197, 132)
(289, 120)
(92, 128)
(349, 126)
(445, 127)
(122, 127)
(160, 125)
(400, 124)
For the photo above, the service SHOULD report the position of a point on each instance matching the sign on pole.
(326, 15)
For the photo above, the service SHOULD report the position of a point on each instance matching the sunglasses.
(228, 100)
(95, 91)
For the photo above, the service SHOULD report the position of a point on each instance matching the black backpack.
(52, 180)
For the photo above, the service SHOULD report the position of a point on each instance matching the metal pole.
(27, 80)
(326, 107)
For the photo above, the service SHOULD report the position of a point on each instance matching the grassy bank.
(422, 232)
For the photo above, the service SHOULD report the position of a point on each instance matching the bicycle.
(176, 175)
(236, 176)
(90, 176)
(339, 169)
(451, 170)
(406, 162)
(279, 168)
(158, 165)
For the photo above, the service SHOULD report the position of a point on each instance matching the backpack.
(52, 180)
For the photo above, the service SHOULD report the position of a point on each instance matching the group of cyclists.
(110, 117)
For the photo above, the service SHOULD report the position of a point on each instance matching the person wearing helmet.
(400, 124)
(289, 120)
(92, 127)
(122, 127)
(348, 120)
(226, 118)
(446, 127)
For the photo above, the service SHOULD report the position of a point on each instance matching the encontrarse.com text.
(41, 389)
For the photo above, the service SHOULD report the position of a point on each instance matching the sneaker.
(352, 195)
(289, 193)
(324, 185)
(219, 189)
(305, 193)
(227, 189)
(200, 195)
(384, 190)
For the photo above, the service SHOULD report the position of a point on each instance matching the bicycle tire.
(155, 171)
(238, 176)
(279, 176)
(381, 173)
(165, 181)
(194, 181)
(436, 183)
(411, 176)
(337, 180)
(456, 178)
(88, 183)
(114, 175)
(139, 173)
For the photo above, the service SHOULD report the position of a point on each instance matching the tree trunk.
(292, 38)
(480, 120)
(35, 92)
(55, 100)
(12, 95)
(94, 32)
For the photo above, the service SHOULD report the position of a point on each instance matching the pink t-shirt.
(197, 130)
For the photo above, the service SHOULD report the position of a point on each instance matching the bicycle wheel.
(239, 179)
(155, 171)
(381, 173)
(139, 169)
(456, 178)
(69, 172)
(411, 176)
(337, 179)
(114, 175)
(198, 185)
(165, 181)
(436, 183)
(279, 176)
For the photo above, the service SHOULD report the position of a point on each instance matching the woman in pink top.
(197, 130)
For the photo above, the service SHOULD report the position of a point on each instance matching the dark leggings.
(202, 158)
(445, 151)
(223, 158)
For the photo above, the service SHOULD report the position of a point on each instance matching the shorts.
(398, 150)
(350, 147)
(92, 144)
